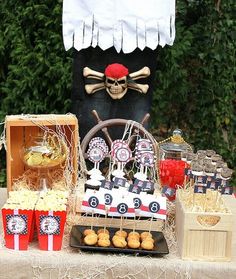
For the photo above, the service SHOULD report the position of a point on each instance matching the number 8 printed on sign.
(108, 196)
(122, 206)
(153, 207)
(93, 202)
(137, 203)
(108, 199)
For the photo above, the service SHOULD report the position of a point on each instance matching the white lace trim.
(124, 24)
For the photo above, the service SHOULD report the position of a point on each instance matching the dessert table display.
(100, 211)
(73, 263)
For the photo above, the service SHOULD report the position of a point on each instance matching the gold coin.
(35, 159)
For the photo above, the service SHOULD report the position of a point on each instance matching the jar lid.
(176, 143)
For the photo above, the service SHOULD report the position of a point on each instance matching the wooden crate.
(230, 200)
(199, 242)
(20, 127)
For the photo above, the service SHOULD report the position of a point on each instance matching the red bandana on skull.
(116, 71)
(116, 80)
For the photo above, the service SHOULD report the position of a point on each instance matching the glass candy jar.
(42, 153)
(172, 163)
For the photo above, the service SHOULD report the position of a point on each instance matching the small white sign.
(153, 206)
(122, 205)
(93, 202)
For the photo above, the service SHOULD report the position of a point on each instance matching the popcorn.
(46, 206)
(10, 206)
(52, 200)
(22, 199)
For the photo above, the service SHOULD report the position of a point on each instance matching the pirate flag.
(115, 54)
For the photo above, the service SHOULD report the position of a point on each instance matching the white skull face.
(116, 88)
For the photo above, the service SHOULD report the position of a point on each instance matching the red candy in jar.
(172, 164)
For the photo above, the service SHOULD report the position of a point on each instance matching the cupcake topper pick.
(121, 154)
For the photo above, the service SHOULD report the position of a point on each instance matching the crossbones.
(116, 80)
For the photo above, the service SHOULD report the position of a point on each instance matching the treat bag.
(17, 224)
(50, 229)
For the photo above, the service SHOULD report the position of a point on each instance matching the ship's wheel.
(103, 126)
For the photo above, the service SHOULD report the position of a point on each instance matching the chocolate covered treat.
(210, 169)
(226, 173)
(210, 153)
(215, 158)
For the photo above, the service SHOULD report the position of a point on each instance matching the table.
(71, 263)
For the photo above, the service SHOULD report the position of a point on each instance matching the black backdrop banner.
(132, 106)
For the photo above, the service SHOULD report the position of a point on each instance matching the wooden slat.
(46, 120)
(15, 166)
(196, 242)
(19, 130)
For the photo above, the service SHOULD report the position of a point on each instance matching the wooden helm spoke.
(104, 125)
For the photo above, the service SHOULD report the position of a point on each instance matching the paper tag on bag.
(119, 182)
(168, 191)
(148, 186)
(200, 189)
(133, 188)
(227, 190)
(139, 183)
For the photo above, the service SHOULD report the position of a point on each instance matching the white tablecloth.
(72, 263)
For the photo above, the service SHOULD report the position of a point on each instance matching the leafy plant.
(196, 78)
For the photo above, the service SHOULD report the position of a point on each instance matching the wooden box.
(201, 241)
(20, 127)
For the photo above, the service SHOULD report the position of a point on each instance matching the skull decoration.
(116, 80)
